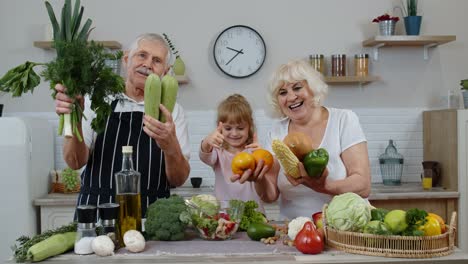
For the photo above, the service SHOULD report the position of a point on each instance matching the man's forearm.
(177, 167)
(75, 153)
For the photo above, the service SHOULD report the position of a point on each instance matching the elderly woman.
(296, 93)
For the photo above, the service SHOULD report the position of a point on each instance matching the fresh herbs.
(80, 66)
(415, 218)
(25, 242)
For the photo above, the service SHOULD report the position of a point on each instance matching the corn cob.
(286, 157)
(169, 89)
(152, 95)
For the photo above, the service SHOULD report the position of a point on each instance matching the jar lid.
(316, 56)
(359, 56)
(127, 149)
(109, 211)
(339, 56)
(86, 213)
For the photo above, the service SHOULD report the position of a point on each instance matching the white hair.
(150, 37)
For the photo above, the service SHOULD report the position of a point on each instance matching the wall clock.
(239, 51)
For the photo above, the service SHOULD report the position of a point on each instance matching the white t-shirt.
(130, 105)
(343, 131)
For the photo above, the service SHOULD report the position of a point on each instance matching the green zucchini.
(152, 95)
(169, 89)
(52, 246)
(257, 231)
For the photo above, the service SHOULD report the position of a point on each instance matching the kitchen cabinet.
(445, 138)
(425, 42)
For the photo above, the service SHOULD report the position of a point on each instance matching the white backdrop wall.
(291, 29)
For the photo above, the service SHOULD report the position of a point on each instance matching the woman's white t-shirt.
(343, 131)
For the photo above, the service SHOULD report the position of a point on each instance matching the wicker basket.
(393, 246)
(58, 187)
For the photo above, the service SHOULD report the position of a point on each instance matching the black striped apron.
(97, 180)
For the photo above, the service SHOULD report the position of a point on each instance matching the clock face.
(239, 51)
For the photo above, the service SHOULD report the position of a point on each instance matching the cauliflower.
(296, 225)
(134, 241)
(103, 246)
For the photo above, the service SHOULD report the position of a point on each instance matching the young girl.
(234, 134)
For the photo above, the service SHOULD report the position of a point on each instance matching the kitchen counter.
(379, 192)
(238, 250)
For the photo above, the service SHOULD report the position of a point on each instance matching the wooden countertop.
(379, 192)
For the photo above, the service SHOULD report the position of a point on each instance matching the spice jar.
(338, 65)
(361, 64)
(109, 214)
(86, 229)
(318, 62)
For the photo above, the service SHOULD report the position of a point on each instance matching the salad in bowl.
(214, 219)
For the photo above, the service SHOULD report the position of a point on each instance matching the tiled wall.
(403, 125)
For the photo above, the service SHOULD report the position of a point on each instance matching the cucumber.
(257, 231)
(169, 89)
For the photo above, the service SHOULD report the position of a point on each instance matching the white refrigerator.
(26, 157)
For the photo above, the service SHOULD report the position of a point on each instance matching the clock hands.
(235, 50)
(238, 52)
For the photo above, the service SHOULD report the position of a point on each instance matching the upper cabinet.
(402, 40)
(47, 45)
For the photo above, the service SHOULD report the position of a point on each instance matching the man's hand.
(163, 133)
(63, 103)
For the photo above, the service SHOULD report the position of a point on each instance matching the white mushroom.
(103, 246)
(134, 241)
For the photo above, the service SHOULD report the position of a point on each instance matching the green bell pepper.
(315, 162)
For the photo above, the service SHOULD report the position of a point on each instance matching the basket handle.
(452, 228)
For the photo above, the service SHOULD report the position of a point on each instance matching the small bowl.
(220, 226)
(196, 181)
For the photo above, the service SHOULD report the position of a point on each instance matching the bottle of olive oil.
(127, 183)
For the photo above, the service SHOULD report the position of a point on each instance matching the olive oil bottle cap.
(127, 149)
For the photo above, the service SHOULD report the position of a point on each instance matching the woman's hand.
(163, 133)
(316, 184)
(63, 103)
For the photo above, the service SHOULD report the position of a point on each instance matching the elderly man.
(160, 150)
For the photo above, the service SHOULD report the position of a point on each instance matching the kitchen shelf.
(47, 45)
(351, 79)
(402, 40)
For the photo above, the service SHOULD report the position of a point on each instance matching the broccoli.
(166, 219)
(251, 215)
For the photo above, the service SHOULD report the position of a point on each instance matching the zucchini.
(152, 95)
(52, 246)
(257, 231)
(169, 89)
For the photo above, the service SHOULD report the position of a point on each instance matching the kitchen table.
(238, 250)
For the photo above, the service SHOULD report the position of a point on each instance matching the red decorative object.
(385, 17)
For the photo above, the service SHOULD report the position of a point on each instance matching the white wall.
(291, 29)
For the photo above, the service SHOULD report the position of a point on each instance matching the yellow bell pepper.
(431, 227)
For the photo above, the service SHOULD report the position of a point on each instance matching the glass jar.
(86, 229)
(318, 62)
(361, 64)
(338, 65)
(109, 214)
(391, 165)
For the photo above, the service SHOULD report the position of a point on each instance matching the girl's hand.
(254, 145)
(214, 140)
(316, 184)
(252, 176)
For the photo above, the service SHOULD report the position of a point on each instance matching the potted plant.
(464, 88)
(411, 18)
(386, 24)
(179, 66)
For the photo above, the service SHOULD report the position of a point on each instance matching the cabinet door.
(56, 216)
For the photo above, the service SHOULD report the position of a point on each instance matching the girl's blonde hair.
(235, 108)
(295, 71)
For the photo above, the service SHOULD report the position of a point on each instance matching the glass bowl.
(218, 224)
